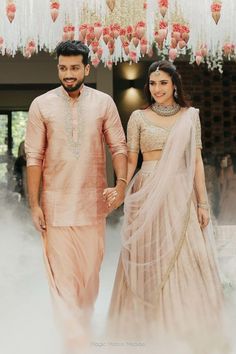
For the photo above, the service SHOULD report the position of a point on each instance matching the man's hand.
(38, 218)
(114, 197)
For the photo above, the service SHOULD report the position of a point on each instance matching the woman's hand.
(203, 217)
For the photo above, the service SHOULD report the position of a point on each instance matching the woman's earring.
(175, 93)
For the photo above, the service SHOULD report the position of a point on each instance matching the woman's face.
(161, 88)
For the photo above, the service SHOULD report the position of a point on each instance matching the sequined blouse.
(145, 135)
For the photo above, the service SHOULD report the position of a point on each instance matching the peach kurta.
(67, 137)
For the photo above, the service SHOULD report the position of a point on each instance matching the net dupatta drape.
(167, 273)
(163, 202)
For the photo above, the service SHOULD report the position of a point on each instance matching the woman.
(167, 278)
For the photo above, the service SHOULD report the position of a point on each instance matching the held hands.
(115, 196)
(38, 218)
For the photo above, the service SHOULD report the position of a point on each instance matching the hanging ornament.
(68, 32)
(99, 52)
(94, 45)
(95, 61)
(111, 4)
(30, 49)
(135, 39)
(163, 5)
(133, 56)
(54, 9)
(111, 46)
(125, 46)
(228, 49)
(184, 30)
(163, 29)
(199, 57)
(1, 42)
(115, 30)
(216, 9)
(83, 30)
(122, 34)
(10, 10)
(129, 31)
(203, 49)
(143, 46)
(150, 52)
(109, 64)
(172, 54)
(97, 30)
(140, 29)
(106, 34)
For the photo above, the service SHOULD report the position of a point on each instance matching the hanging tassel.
(163, 5)
(111, 4)
(215, 10)
(54, 9)
(10, 10)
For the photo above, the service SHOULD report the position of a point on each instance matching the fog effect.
(26, 321)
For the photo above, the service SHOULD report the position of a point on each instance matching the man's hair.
(69, 48)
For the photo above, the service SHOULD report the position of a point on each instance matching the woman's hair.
(170, 69)
(69, 48)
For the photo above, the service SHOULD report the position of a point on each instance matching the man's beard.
(73, 88)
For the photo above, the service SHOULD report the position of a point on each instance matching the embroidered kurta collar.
(64, 94)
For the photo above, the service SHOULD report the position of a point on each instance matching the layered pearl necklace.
(165, 111)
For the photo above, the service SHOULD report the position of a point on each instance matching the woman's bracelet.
(203, 205)
(122, 179)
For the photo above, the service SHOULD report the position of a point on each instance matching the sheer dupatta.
(163, 205)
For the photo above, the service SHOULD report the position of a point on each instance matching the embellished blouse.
(67, 137)
(145, 135)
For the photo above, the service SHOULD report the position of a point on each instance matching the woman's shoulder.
(136, 115)
(192, 110)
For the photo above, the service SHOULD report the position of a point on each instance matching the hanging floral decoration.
(229, 49)
(216, 9)
(54, 9)
(111, 4)
(30, 49)
(160, 34)
(117, 30)
(10, 10)
(163, 5)
(68, 32)
(1, 42)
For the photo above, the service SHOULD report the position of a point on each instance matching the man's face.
(72, 71)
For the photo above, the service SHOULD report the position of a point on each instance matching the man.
(65, 137)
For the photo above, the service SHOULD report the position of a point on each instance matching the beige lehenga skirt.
(191, 298)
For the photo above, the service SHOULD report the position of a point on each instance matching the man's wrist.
(121, 180)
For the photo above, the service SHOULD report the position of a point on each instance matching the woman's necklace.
(165, 111)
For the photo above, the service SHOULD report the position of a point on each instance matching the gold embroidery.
(74, 129)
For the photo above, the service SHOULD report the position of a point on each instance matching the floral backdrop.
(123, 30)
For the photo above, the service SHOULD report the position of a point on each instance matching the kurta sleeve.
(198, 132)
(113, 130)
(133, 133)
(35, 141)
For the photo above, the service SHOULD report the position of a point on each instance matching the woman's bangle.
(203, 205)
(122, 179)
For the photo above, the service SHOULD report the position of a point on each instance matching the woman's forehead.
(159, 76)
